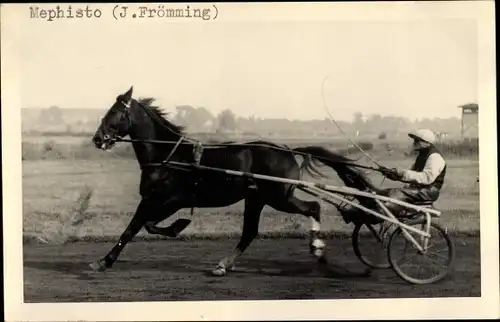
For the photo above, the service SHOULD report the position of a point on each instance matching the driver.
(425, 178)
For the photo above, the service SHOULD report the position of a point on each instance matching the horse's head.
(115, 123)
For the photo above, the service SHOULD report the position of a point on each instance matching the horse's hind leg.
(310, 209)
(251, 217)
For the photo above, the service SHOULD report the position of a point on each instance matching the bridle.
(128, 107)
(115, 137)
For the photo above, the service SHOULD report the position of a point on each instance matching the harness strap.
(197, 154)
(174, 149)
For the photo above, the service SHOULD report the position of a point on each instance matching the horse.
(164, 190)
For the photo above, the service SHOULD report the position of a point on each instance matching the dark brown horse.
(164, 190)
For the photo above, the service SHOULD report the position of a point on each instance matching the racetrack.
(271, 269)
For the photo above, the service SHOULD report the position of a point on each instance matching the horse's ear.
(128, 94)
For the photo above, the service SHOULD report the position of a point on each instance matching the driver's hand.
(392, 174)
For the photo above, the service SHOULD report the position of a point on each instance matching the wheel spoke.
(436, 263)
(434, 268)
(370, 227)
(408, 258)
(445, 248)
(437, 255)
(431, 269)
(419, 268)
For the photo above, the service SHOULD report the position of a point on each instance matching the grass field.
(66, 147)
(65, 200)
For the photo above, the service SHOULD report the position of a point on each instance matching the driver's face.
(418, 145)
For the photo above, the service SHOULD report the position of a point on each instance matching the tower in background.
(470, 121)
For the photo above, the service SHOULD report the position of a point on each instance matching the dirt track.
(179, 270)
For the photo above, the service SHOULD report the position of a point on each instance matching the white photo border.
(486, 306)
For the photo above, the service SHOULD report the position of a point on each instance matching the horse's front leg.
(138, 220)
(251, 218)
(179, 199)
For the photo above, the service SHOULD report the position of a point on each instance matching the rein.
(221, 145)
(196, 143)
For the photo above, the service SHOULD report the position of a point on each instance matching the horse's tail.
(312, 154)
(310, 167)
(343, 166)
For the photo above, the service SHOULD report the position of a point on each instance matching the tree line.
(200, 119)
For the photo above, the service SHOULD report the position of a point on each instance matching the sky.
(269, 69)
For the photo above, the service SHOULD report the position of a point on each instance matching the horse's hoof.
(98, 266)
(316, 248)
(177, 227)
(219, 271)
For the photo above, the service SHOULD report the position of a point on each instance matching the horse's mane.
(162, 115)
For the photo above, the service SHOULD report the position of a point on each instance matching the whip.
(340, 128)
(381, 168)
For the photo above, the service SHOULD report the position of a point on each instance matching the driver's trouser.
(407, 194)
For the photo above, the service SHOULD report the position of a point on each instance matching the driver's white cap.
(425, 135)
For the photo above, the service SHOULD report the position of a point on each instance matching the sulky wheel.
(418, 267)
(369, 246)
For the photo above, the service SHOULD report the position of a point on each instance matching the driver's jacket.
(429, 169)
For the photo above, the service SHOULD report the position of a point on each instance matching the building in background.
(470, 121)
